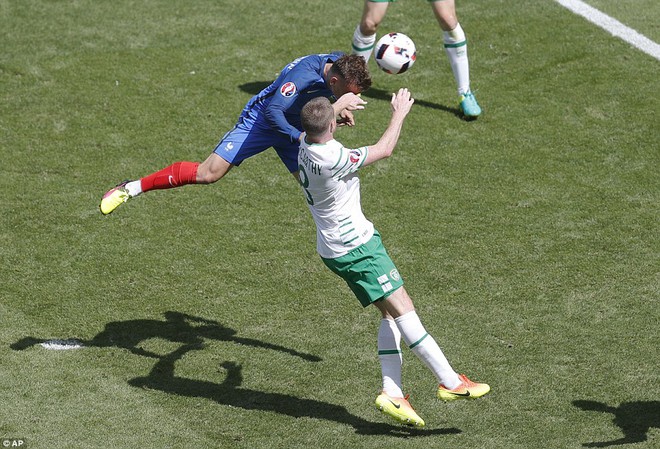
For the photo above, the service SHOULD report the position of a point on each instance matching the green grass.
(528, 238)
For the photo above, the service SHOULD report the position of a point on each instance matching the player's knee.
(368, 27)
(212, 170)
(208, 175)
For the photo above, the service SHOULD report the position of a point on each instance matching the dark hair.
(353, 68)
(316, 116)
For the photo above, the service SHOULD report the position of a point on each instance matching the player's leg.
(181, 174)
(237, 145)
(390, 356)
(364, 37)
(370, 273)
(391, 401)
(456, 48)
(400, 306)
(452, 385)
(175, 175)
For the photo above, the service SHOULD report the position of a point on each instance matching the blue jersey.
(278, 106)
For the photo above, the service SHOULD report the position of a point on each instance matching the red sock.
(176, 175)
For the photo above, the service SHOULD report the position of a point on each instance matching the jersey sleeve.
(349, 161)
(294, 82)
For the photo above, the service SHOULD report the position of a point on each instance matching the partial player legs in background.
(363, 45)
(455, 44)
(364, 36)
(456, 49)
(454, 41)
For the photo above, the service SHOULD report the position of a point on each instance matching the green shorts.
(368, 271)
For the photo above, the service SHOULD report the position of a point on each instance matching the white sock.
(391, 359)
(456, 48)
(134, 188)
(425, 347)
(363, 45)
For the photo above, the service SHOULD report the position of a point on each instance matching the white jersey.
(332, 188)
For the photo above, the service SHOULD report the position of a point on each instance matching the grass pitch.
(528, 238)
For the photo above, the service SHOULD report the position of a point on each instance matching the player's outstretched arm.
(400, 104)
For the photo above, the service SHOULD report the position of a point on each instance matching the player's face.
(339, 87)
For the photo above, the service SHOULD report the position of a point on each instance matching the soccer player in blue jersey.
(455, 43)
(270, 119)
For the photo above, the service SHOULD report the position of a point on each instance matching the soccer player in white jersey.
(454, 41)
(350, 246)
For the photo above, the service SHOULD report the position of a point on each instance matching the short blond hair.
(316, 116)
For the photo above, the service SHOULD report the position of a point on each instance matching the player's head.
(318, 117)
(349, 73)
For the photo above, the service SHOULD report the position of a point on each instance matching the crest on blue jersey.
(288, 89)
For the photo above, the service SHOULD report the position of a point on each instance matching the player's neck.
(319, 139)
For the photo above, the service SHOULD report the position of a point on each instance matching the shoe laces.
(469, 94)
(466, 382)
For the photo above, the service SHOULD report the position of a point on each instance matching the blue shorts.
(247, 139)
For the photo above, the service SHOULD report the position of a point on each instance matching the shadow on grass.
(177, 328)
(634, 418)
(255, 87)
(190, 332)
(229, 392)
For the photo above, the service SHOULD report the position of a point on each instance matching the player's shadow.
(255, 87)
(177, 328)
(634, 418)
(190, 332)
(229, 392)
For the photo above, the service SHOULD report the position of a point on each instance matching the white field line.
(62, 345)
(613, 26)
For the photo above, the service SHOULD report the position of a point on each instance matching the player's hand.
(345, 118)
(351, 102)
(401, 102)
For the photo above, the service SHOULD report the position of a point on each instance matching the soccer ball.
(395, 53)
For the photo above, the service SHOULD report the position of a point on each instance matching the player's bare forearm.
(401, 104)
(386, 144)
